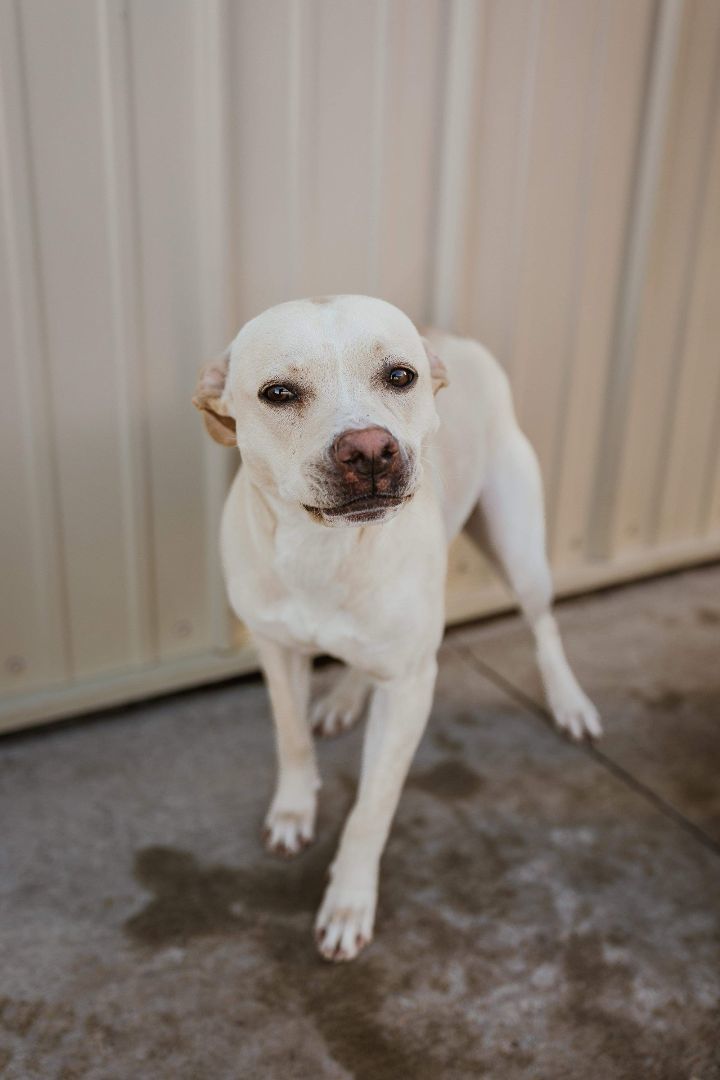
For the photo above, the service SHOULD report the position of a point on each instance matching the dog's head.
(330, 402)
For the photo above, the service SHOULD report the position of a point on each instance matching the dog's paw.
(288, 832)
(344, 925)
(575, 714)
(341, 707)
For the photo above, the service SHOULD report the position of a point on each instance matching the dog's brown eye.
(401, 377)
(278, 394)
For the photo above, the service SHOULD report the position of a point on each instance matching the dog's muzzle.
(365, 476)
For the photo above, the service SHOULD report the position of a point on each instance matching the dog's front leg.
(398, 714)
(290, 822)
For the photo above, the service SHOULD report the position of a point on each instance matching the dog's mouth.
(358, 511)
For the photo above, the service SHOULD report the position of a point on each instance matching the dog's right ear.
(209, 397)
(438, 371)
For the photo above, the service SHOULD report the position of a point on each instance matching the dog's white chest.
(308, 626)
(314, 588)
(358, 594)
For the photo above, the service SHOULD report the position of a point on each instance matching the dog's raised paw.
(341, 707)
(288, 832)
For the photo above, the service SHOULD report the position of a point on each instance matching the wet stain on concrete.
(466, 719)
(347, 1005)
(668, 700)
(444, 741)
(589, 870)
(18, 1016)
(194, 901)
(689, 749)
(471, 882)
(449, 779)
(351, 1006)
(586, 969)
(36, 1028)
(699, 788)
(629, 1049)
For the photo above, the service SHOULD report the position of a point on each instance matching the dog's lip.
(361, 504)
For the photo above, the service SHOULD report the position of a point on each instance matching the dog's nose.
(366, 451)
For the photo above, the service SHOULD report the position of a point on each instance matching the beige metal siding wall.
(542, 174)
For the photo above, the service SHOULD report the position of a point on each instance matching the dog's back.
(475, 409)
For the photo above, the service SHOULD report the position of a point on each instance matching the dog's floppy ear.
(438, 371)
(209, 398)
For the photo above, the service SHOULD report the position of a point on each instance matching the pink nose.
(366, 451)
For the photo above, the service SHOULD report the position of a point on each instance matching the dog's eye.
(401, 377)
(278, 394)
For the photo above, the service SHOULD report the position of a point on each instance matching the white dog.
(334, 540)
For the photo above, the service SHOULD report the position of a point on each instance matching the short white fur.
(370, 595)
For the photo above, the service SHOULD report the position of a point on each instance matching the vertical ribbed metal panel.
(542, 174)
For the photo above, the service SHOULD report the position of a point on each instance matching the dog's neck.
(292, 534)
(276, 517)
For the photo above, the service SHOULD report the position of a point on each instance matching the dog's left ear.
(209, 397)
(438, 371)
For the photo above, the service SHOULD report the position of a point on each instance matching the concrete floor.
(547, 910)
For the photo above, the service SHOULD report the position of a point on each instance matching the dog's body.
(331, 403)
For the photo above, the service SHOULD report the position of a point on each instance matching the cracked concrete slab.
(538, 916)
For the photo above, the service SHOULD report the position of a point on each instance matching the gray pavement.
(546, 910)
